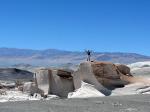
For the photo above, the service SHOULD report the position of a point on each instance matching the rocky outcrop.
(124, 69)
(64, 73)
(58, 82)
(103, 75)
(85, 74)
(110, 75)
(42, 80)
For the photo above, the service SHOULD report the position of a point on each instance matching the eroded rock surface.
(58, 82)
(103, 75)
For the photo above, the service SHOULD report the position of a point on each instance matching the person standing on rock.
(88, 52)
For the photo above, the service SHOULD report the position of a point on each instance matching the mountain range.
(54, 57)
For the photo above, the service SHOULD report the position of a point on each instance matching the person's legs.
(88, 57)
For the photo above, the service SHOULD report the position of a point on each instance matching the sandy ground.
(134, 103)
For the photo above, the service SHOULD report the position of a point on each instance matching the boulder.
(124, 69)
(85, 73)
(103, 75)
(64, 73)
(42, 78)
(110, 75)
(55, 81)
(61, 85)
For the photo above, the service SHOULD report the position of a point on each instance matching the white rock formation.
(42, 80)
(56, 82)
(85, 73)
(102, 75)
(140, 69)
(31, 88)
(13, 95)
(86, 91)
(135, 88)
(139, 64)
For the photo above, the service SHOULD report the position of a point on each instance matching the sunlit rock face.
(103, 75)
(58, 82)
(109, 74)
(85, 74)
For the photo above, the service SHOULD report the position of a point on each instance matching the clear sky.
(100, 25)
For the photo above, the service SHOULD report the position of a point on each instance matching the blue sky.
(100, 25)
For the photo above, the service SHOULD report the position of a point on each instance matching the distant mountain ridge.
(11, 56)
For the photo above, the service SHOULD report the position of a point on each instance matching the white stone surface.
(139, 64)
(13, 95)
(135, 88)
(86, 91)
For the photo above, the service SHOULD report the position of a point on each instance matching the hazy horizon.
(83, 50)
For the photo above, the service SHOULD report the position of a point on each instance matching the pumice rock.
(57, 82)
(86, 91)
(103, 75)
